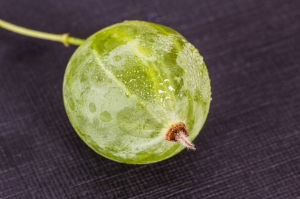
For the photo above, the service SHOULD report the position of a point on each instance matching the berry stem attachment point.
(63, 38)
(178, 133)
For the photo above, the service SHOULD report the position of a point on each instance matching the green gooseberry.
(134, 92)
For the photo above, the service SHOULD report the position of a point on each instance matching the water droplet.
(171, 88)
(161, 91)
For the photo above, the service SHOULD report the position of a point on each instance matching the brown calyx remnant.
(178, 133)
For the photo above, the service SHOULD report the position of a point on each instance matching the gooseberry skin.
(126, 84)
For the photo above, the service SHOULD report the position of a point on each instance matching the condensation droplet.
(171, 88)
(161, 91)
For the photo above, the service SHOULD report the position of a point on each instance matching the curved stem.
(63, 38)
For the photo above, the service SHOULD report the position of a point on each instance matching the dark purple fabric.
(249, 147)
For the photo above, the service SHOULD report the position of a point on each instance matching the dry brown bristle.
(178, 133)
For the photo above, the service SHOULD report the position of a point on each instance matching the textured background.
(249, 147)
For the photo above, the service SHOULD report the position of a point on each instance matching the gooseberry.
(137, 92)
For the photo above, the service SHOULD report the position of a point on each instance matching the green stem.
(63, 38)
